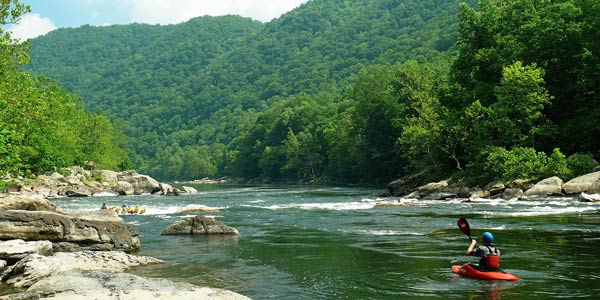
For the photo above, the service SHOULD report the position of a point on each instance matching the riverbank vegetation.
(348, 91)
(43, 127)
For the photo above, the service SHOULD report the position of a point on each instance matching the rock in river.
(199, 225)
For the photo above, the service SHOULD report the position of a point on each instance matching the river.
(300, 242)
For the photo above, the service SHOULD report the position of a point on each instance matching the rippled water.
(334, 243)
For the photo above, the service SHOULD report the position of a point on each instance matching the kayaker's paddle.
(464, 227)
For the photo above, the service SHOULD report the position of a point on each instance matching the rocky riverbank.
(46, 253)
(79, 182)
(414, 187)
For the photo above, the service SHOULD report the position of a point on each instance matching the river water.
(334, 243)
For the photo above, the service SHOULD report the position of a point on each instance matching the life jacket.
(492, 261)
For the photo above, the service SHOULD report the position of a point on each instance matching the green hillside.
(197, 83)
(346, 91)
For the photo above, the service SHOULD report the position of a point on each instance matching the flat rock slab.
(15, 250)
(35, 267)
(101, 285)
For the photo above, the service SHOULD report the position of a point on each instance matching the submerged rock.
(199, 225)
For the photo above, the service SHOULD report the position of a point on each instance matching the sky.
(47, 15)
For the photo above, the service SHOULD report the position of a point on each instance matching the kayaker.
(490, 255)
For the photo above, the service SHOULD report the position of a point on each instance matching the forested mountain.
(192, 84)
(346, 91)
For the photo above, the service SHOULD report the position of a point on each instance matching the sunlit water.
(334, 243)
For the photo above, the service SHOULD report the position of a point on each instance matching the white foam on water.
(544, 211)
(319, 206)
(257, 201)
(382, 232)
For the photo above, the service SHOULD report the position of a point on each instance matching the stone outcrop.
(85, 285)
(84, 183)
(142, 184)
(101, 230)
(15, 250)
(407, 184)
(196, 208)
(35, 267)
(199, 225)
(20, 202)
(189, 190)
(546, 187)
(588, 183)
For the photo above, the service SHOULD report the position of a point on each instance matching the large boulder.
(407, 184)
(588, 183)
(196, 208)
(123, 188)
(101, 230)
(495, 187)
(546, 187)
(432, 188)
(510, 194)
(35, 267)
(199, 225)
(142, 184)
(26, 203)
(104, 285)
(15, 250)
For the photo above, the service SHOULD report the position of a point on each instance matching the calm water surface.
(334, 243)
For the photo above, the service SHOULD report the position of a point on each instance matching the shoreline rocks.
(48, 261)
(518, 189)
(85, 183)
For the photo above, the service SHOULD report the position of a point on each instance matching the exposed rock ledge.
(80, 182)
(518, 189)
(101, 230)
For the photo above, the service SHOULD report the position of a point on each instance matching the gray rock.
(407, 184)
(510, 194)
(15, 250)
(124, 188)
(99, 230)
(142, 184)
(199, 225)
(196, 208)
(589, 197)
(189, 190)
(546, 187)
(477, 192)
(103, 285)
(588, 183)
(36, 203)
(432, 187)
(495, 187)
(35, 267)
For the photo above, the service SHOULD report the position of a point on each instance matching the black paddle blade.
(464, 226)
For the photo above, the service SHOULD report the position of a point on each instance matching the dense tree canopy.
(347, 91)
(42, 126)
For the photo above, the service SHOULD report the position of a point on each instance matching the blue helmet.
(488, 237)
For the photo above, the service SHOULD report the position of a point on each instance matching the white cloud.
(177, 11)
(30, 26)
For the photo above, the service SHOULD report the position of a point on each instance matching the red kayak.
(468, 270)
